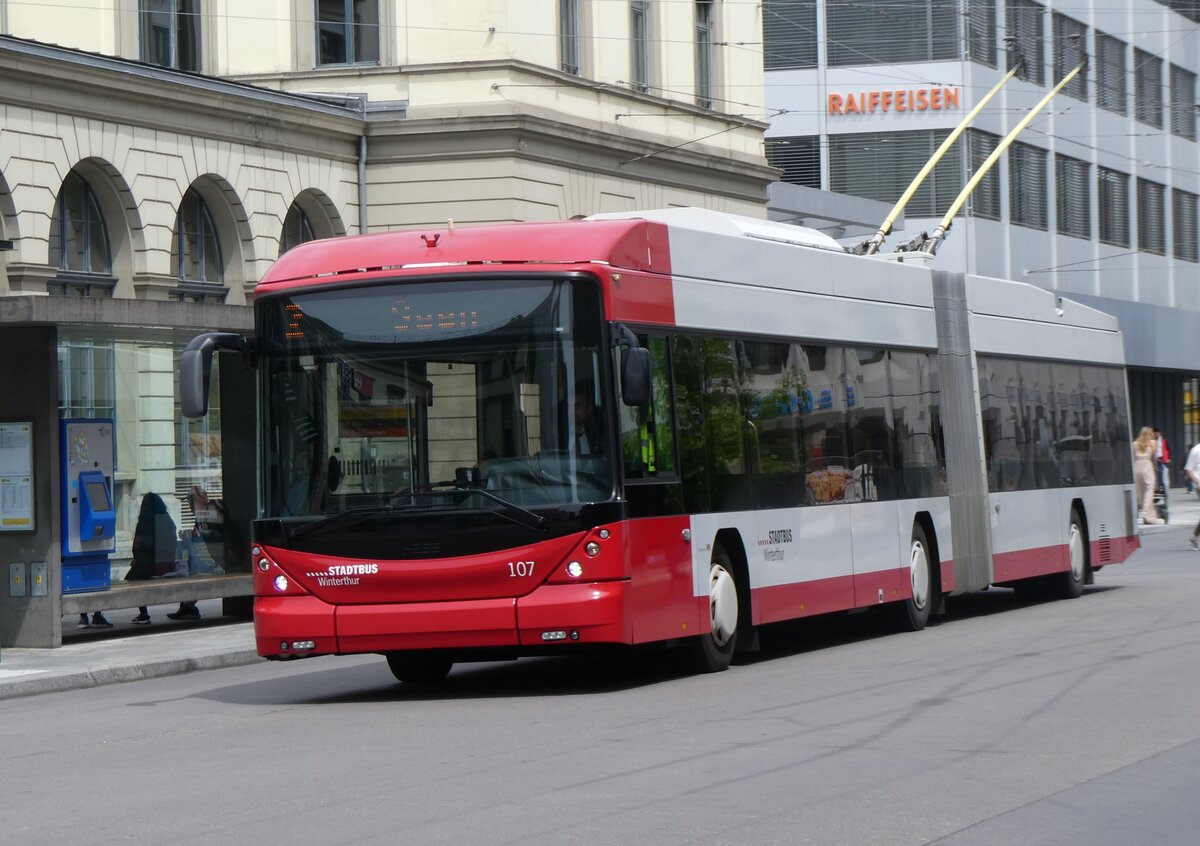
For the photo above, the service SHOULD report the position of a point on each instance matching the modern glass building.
(1097, 199)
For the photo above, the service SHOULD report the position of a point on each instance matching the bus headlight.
(575, 569)
(281, 583)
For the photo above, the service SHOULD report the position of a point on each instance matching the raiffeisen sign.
(894, 100)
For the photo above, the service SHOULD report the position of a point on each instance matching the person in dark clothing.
(154, 547)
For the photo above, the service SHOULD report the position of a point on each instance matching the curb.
(131, 672)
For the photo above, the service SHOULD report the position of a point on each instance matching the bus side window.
(647, 433)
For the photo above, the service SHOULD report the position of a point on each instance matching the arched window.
(195, 248)
(78, 236)
(296, 229)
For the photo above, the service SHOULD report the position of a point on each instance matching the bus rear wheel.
(1069, 585)
(418, 669)
(713, 651)
(912, 615)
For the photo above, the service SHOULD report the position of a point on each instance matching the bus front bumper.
(589, 613)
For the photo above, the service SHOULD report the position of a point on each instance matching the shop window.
(79, 245)
(170, 33)
(789, 34)
(1111, 83)
(195, 248)
(296, 229)
(1113, 205)
(347, 32)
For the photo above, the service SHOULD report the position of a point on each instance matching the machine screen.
(97, 494)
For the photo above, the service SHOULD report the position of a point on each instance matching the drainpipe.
(3, 17)
(362, 166)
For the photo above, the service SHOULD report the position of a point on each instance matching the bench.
(158, 592)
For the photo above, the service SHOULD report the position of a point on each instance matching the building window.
(1183, 208)
(981, 32)
(1027, 186)
(1068, 53)
(1152, 233)
(568, 36)
(1111, 90)
(195, 248)
(639, 44)
(880, 166)
(170, 33)
(1073, 188)
(1147, 88)
(1183, 103)
(87, 382)
(1025, 22)
(347, 32)
(1190, 9)
(704, 53)
(984, 201)
(891, 33)
(789, 34)
(296, 229)
(799, 157)
(1113, 204)
(78, 236)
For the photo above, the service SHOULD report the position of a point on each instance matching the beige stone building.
(156, 157)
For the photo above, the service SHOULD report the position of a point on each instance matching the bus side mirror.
(195, 368)
(635, 376)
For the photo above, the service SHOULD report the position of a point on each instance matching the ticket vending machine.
(89, 519)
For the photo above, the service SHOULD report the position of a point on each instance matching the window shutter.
(799, 157)
(1024, 21)
(1151, 231)
(1113, 191)
(984, 201)
(880, 166)
(1027, 186)
(1067, 56)
(1184, 211)
(1147, 88)
(1074, 197)
(981, 32)
(1183, 103)
(864, 32)
(789, 34)
(1110, 74)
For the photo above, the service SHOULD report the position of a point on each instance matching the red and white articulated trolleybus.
(662, 427)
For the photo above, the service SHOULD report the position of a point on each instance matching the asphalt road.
(1004, 722)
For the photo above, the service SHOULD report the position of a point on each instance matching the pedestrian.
(1192, 470)
(1162, 455)
(153, 546)
(1143, 473)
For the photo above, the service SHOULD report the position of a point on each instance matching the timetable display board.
(16, 477)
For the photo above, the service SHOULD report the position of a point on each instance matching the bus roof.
(627, 240)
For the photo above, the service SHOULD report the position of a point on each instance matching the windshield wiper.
(341, 517)
(510, 510)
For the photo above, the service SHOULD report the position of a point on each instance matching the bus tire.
(713, 651)
(418, 669)
(1069, 585)
(912, 614)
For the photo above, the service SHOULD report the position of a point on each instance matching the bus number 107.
(520, 568)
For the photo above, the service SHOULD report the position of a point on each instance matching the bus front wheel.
(1069, 585)
(913, 614)
(713, 651)
(418, 669)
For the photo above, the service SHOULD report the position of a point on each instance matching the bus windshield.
(402, 395)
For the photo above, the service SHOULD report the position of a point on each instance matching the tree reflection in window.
(78, 236)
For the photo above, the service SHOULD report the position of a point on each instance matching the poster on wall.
(16, 477)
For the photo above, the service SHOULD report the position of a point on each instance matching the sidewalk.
(126, 652)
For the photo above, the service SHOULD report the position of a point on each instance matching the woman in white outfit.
(1143, 473)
